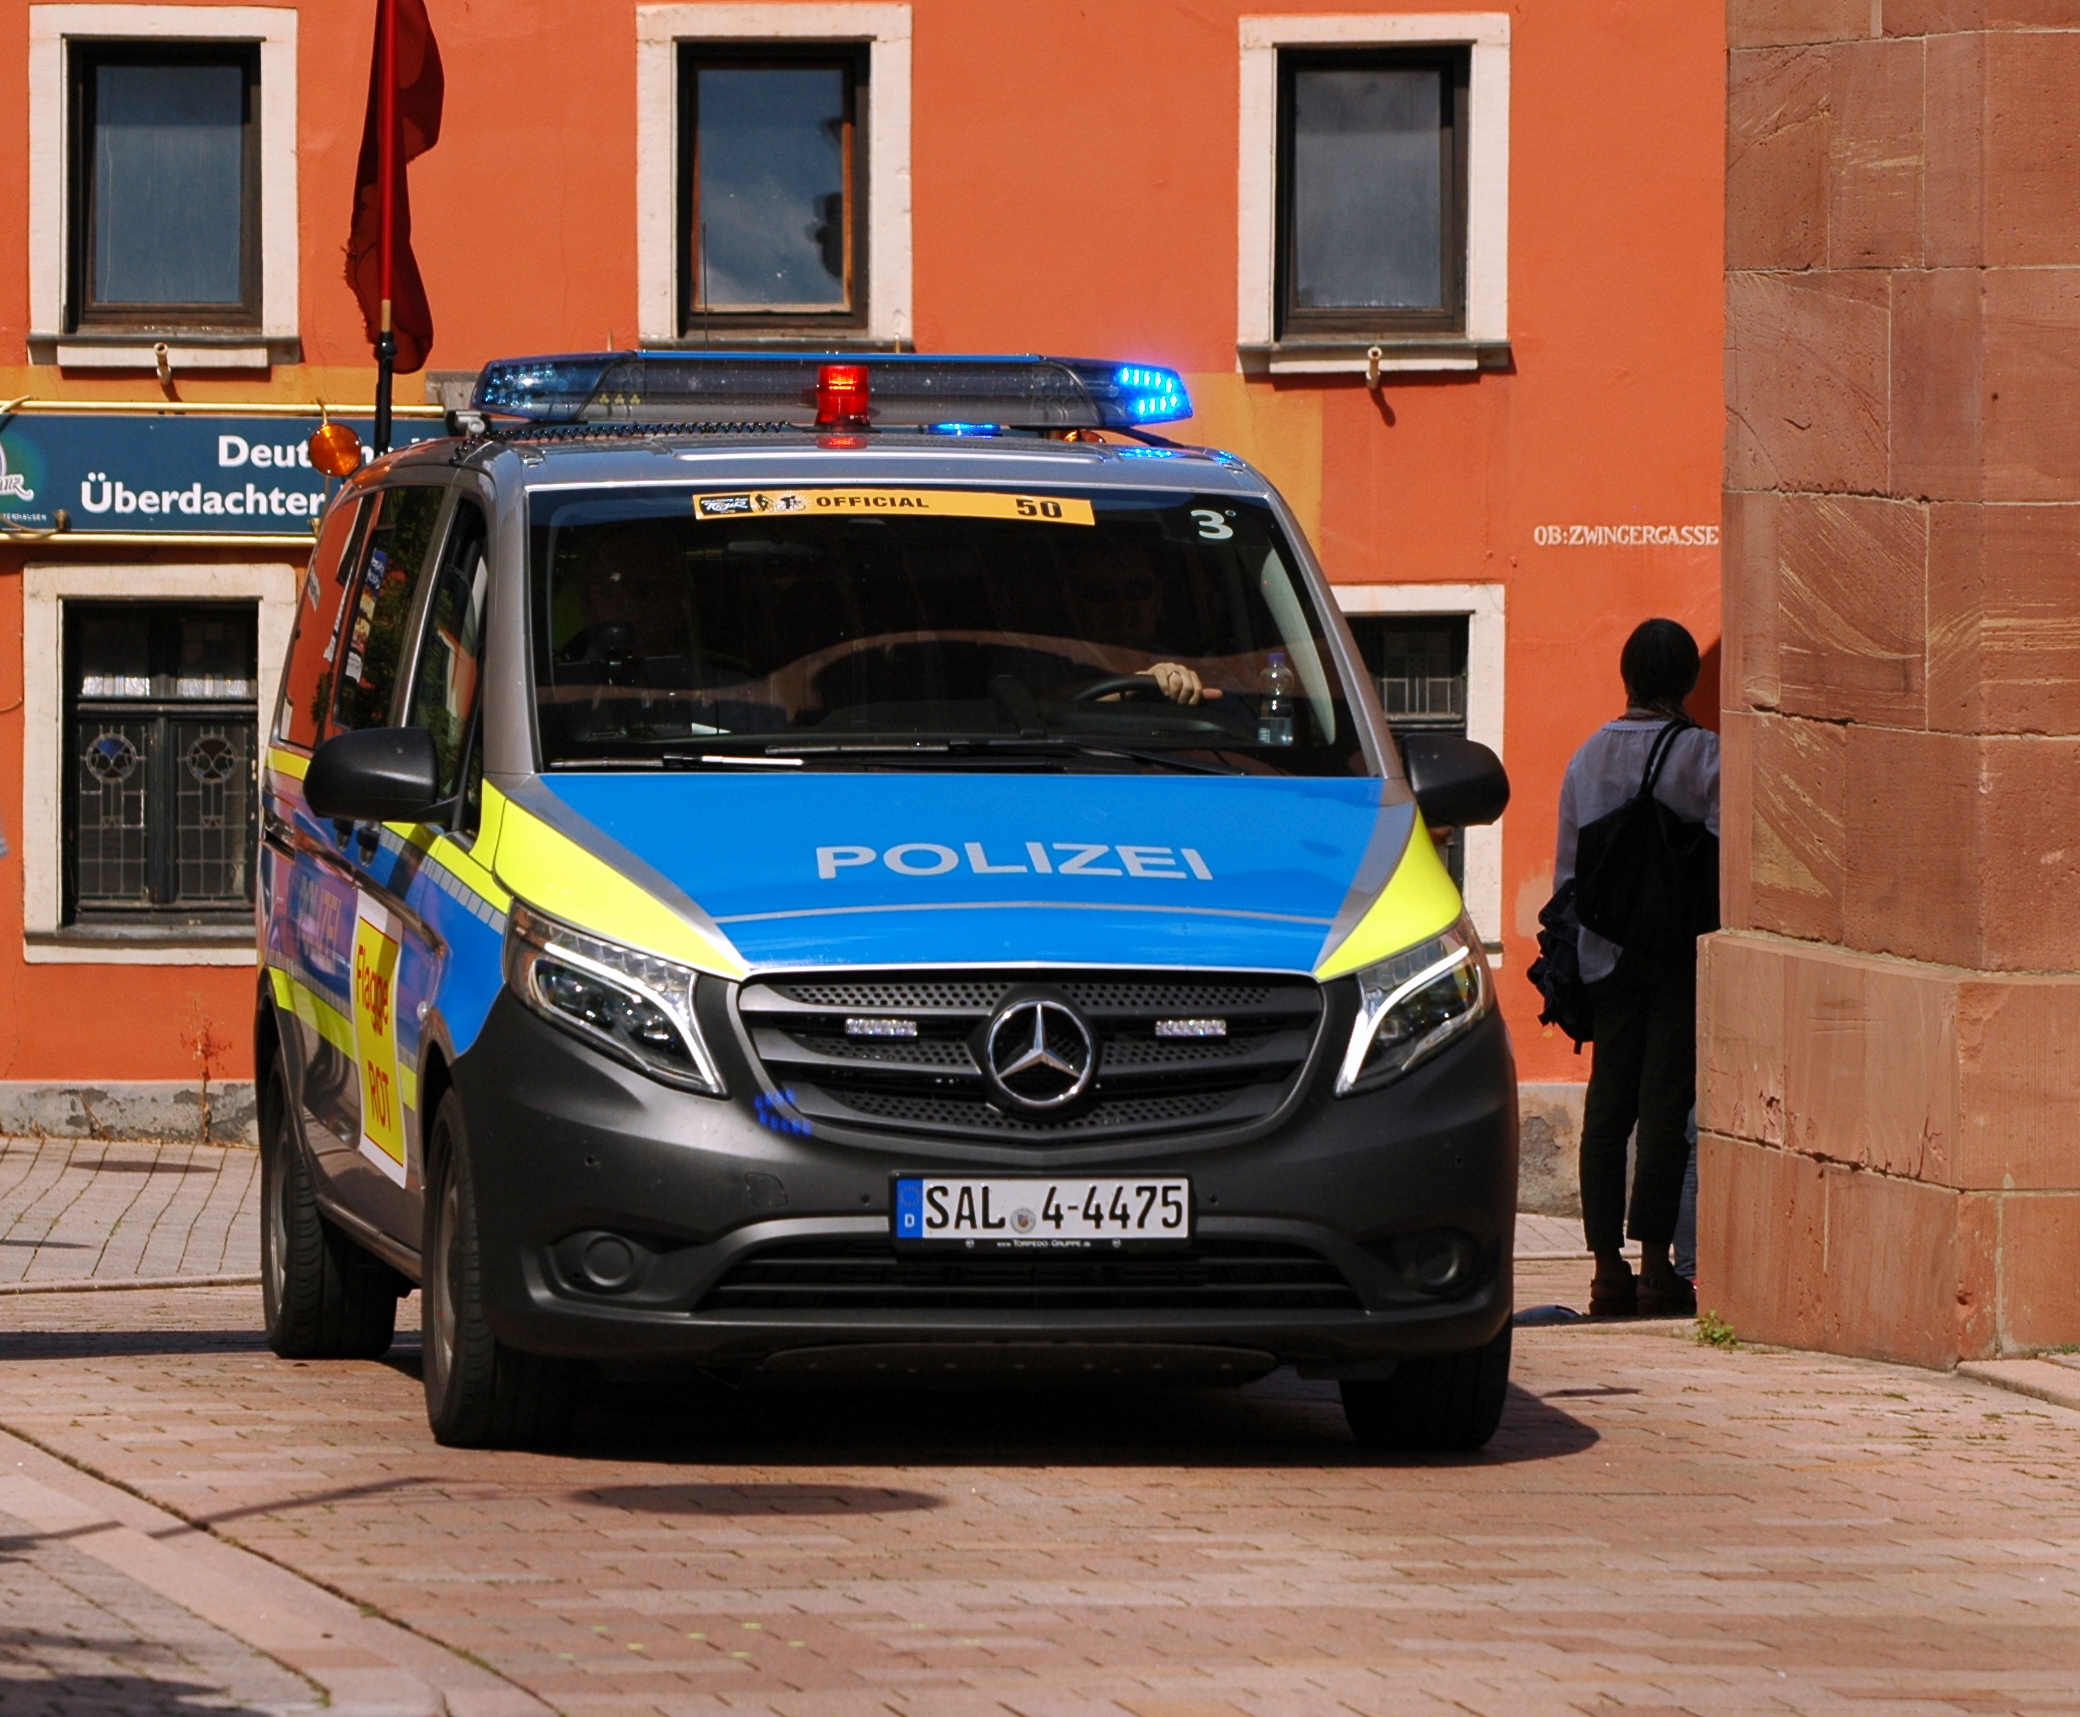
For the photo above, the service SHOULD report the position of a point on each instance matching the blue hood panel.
(889, 869)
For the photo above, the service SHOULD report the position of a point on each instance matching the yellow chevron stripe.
(1418, 902)
(467, 868)
(288, 762)
(293, 995)
(548, 869)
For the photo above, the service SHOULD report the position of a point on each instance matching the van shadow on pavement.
(126, 1343)
(719, 1500)
(1281, 1421)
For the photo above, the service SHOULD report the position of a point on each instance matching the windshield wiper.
(996, 745)
(1094, 748)
(953, 750)
(679, 760)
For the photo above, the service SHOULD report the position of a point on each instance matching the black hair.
(1659, 664)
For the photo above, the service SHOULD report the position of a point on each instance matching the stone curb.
(2040, 1379)
(368, 1667)
(120, 1284)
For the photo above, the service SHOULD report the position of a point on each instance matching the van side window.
(307, 685)
(388, 566)
(444, 690)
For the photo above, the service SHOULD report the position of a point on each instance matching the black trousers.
(1645, 1071)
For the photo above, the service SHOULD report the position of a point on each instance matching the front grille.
(870, 1275)
(932, 1082)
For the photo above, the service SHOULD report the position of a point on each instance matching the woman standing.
(1644, 1006)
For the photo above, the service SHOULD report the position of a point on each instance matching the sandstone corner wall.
(1890, 1025)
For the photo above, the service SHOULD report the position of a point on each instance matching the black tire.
(480, 1393)
(323, 1297)
(1442, 1402)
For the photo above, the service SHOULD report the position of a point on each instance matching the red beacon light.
(841, 396)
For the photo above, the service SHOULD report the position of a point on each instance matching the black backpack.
(1557, 972)
(1644, 877)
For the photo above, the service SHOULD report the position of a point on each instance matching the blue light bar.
(1151, 395)
(952, 395)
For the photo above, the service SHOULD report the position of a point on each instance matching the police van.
(830, 870)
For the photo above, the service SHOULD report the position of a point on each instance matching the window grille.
(161, 760)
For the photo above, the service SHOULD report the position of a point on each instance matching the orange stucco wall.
(1074, 174)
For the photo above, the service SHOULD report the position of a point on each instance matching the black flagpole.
(387, 167)
(386, 359)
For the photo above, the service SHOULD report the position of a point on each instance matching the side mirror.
(377, 775)
(1457, 782)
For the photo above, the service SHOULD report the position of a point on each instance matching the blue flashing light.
(544, 389)
(964, 429)
(1150, 394)
(777, 1114)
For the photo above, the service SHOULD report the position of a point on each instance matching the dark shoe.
(1666, 1297)
(1614, 1296)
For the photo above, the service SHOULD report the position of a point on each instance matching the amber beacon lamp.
(335, 449)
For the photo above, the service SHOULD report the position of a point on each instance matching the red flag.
(415, 127)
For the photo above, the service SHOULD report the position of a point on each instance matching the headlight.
(635, 1006)
(1411, 1006)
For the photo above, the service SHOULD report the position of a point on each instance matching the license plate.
(1021, 1213)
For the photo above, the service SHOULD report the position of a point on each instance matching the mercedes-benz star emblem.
(1039, 1053)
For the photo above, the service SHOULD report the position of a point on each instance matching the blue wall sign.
(172, 474)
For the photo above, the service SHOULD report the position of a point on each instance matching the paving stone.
(1658, 1525)
(95, 1209)
(78, 1640)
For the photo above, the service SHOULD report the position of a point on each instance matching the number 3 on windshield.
(1212, 527)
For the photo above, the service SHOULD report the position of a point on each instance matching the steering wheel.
(1118, 685)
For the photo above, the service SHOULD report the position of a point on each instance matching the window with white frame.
(1374, 192)
(773, 189)
(773, 174)
(1436, 654)
(162, 185)
(1418, 665)
(1371, 191)
(141, 686)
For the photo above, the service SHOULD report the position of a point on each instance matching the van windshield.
(872, 626)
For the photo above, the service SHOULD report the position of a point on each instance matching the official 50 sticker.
(375, 1037)
(882, 503)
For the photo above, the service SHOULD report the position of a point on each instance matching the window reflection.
(772, 200)
(1368, 188)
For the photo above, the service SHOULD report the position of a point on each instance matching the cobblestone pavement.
(93, 1209)
(79, 1640)
(1659, 1527)
(1550, 1237)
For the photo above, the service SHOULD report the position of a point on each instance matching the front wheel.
(321, 1295)
(1442, 1402)
(480, 1393)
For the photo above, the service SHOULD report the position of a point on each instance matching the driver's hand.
(1179, 684)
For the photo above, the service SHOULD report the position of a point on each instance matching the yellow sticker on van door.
(375, 1038)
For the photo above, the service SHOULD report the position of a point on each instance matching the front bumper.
(569, 1145)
